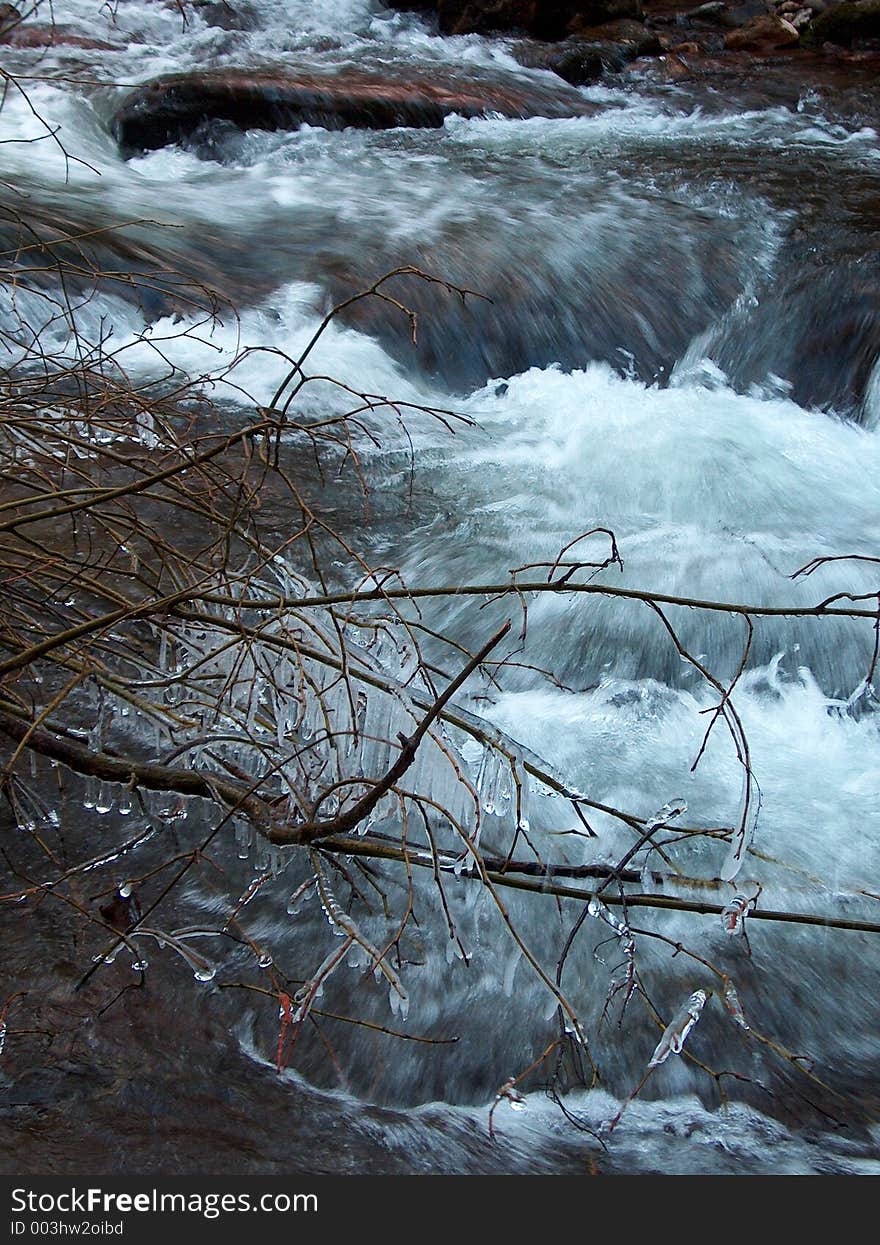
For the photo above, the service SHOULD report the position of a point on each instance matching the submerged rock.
(173, 108)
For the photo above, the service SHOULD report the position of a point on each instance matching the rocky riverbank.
(579, 41)
(582, 41)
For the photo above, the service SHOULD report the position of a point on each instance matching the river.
(683, 346)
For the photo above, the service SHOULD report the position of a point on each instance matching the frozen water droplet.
(265, 960)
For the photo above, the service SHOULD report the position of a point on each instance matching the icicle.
(103, 800)
(355, 742)
(243, 839)
(145, 427)
(733, 1005)
(398, 1002)
(745, 832)
(489, 783)
(510, 972)
(90, 795)
(2, 1035)
(261, 855)
(676, 1032)
(278, 860)
(124, 805)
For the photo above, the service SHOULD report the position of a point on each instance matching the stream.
(679, 342)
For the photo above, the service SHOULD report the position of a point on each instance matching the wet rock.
(9, 17)
(800, 19)
(688, 50)
(727, 16)
(14, 32)
(544, 19)
(579, 61)
(626, 32)
(763, 36)
(692, 41)
(848, 25)
(172, 109)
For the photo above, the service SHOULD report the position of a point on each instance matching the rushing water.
(682, 346)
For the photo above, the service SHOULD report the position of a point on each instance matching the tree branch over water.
(211, 695)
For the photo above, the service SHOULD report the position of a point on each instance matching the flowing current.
(682, 347)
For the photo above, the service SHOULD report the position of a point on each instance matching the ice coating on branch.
(733, 917)
(676, 1032)
(509, 1091)
(343, 925)
(300, 896)
(663, 816)
(597, 908)
(202, 969)
(313, 988)
(627, 983)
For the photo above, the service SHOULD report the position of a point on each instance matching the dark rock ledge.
(173, 108)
